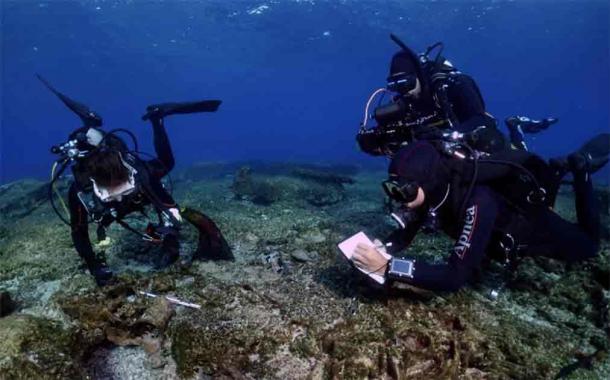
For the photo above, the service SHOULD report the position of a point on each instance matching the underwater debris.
(173, 300)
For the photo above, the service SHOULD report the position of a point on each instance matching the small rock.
(159, 313)
(251, 238)
(184, 282)
(152, 346)
(419, 369)
(315, 237)
(300, 255)
(6, 304)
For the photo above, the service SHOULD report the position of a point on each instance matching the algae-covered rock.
(118, 313)
(35, 348)
(257, 190)
(22, 197)
(214, 170)
(322, 194)
(323, 177)
(316, 188)
(302, 255)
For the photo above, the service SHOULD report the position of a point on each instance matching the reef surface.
(290, 306)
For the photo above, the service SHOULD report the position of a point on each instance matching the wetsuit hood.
(402, 62)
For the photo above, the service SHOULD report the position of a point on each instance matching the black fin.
(598, 147)
(89, 118)
(165, 109)
(212, 244)
(592, 156)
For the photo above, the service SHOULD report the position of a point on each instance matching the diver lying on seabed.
(491, 198)
(111, 182)
(433, 193)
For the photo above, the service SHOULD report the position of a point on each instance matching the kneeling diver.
(110, 182)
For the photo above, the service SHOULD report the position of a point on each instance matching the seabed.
(290, 306)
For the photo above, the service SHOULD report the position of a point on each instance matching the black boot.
(98, 268)
(102, 274)
(170, 248)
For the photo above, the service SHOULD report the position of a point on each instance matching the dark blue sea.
(293, 75)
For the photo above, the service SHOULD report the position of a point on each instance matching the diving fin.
(165, 109)
(592, 156)
(89, 118)
(212, 244)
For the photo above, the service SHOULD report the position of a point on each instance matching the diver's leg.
(559, 239)
(515, 131)
(170, 248)
(517, 140)
(567, 241)
(587, 207)
(163, 148)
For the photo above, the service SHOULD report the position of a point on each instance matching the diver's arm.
(80, 226)
(401, 238)
(467, 252)
(468, 106)
(467, 102)
(164, 162)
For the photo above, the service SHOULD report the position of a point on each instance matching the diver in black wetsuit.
(453, 170)
(112, 182)
(431, 97)
(432, 190)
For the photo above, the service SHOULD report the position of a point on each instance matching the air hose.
(53, 189)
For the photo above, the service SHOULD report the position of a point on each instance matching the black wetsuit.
(149, 191)
(486, 221)
(464, 105)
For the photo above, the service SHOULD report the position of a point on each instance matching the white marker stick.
(172, 300)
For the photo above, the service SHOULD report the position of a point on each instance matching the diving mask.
(116, 193)
(402, 82)
(401, 193)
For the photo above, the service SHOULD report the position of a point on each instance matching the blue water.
(294, 75)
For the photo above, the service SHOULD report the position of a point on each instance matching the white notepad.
(348, 246)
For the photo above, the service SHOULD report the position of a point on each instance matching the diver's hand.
(369, 259)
